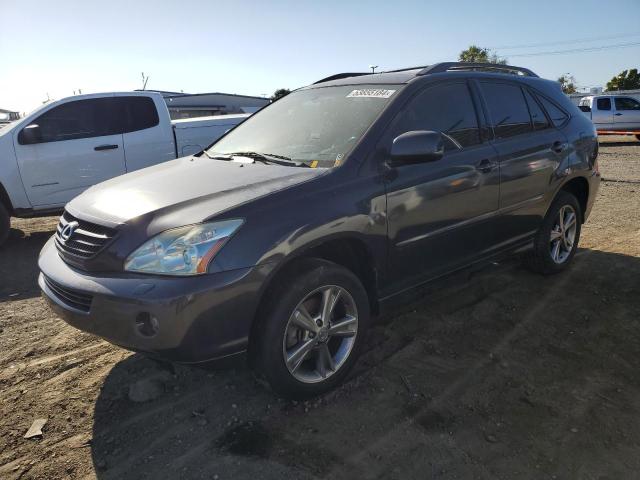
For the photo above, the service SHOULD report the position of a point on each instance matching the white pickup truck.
(66, 146)
(613, 114)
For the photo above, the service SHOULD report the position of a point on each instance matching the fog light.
(146, 324)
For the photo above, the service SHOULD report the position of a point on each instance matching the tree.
(278, 94)
(475, 54)
(626, 80)
(568, 83)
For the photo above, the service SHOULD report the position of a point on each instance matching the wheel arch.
(348, 251)
(579, 188)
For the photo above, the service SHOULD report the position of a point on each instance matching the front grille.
(70, 296)
(86, 240)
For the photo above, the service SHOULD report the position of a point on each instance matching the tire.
(549, 255)
(281, 333)
(5, 224)
(638, 136)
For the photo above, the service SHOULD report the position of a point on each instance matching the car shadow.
(19, 264)
(494, 374)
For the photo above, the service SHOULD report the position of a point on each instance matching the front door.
(438, 212)
(68, 149)
(627, 115)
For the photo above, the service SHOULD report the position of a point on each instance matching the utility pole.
(144, 81)
(373, 68)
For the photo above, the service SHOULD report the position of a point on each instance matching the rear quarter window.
(556, 114)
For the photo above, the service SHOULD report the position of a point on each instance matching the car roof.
(407, 75)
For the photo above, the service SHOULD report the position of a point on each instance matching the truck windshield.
(315, 127)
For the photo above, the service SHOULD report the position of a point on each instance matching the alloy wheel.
(320, 334)
(563, 234)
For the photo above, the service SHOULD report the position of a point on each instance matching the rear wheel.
(557, 239)
(311, 336)
(5, 224)
(638, 136)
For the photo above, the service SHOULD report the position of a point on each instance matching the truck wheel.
(557, 239)
(638, 136)
(5, 224)
(313, 332)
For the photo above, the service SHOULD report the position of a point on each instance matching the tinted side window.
(557, 116)
(507, 108)
(623, 103)
(604, 104)
(140, 113)
(446, 108)
(538, 118)
(95, 117)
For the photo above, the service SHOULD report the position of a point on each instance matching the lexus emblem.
(67, 230)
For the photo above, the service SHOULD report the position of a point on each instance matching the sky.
(49, 49)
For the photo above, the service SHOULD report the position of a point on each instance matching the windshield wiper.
(216, 157)
(269, 158)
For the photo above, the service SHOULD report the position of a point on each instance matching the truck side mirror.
(416, 147)
(585, 108)
(30, 134)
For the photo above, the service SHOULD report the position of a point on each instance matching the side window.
(507, 108)
(538, 118)
(557, 116)
(625, 103)
(604, 104)
(74, 120)
(140, 112)
(446, 108)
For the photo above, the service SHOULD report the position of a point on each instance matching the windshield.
(316, 127)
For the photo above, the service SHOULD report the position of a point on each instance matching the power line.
(575, 50)
(564, 42)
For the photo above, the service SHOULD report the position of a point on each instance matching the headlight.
(182, 251)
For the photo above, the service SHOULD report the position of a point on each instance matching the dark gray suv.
(289, 233)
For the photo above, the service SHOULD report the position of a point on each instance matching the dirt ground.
(505, 375)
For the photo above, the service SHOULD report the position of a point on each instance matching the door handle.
(559, 147)
(485, 166)
(105, 147)
(617, 114)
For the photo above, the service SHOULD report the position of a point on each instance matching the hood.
(196, 188)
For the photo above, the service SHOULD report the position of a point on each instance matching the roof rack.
(489, 67)
(338, 76)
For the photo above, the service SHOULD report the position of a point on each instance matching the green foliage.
(475, 54)
(568, 83)
(281, 92)
(626, 80)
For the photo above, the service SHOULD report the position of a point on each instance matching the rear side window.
(556, 114)
(538, 118)
(140, 113)
(94, 117)
(604, 104)
(623, 103)
(507, 108)
(446, 108)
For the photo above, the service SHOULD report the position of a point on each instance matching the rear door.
(148, 135)
(438, 212)
(627, 114)
(72, 147)
(530, 148)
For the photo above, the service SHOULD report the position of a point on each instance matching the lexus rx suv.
(287, 235)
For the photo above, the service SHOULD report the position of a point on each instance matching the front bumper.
(195, 319)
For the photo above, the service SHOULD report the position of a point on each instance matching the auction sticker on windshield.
(371, 93)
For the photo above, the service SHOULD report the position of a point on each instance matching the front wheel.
(557, 239)
(5, 224)
(311, 336)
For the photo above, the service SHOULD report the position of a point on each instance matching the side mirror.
(585, 108)
(417, 147)
(30, 134)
